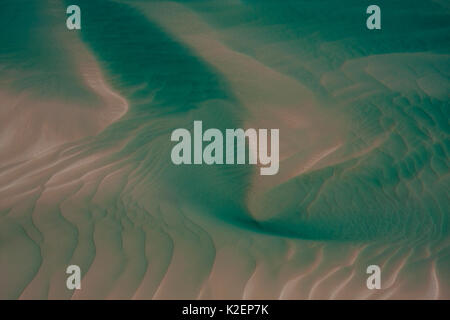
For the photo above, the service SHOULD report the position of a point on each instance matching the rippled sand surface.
(85, 170)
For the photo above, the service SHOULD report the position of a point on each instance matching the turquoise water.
(364, 139)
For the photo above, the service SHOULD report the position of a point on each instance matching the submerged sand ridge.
(362, 181)
(60, 98)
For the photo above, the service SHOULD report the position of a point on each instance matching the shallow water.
(85, 170)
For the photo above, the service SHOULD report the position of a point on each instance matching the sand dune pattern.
(86, 176)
